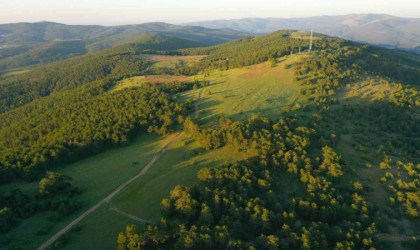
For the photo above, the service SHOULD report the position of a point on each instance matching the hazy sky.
(116, 12)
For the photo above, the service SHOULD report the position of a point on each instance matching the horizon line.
(199, 21)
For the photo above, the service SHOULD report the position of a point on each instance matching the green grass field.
(139, 80)
(177, 166)
(99, 230)
(238, 92)
(96, 176)
(261, 88)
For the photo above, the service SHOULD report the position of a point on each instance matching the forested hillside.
(304, 185)
(75, 124)
(26, 44)
(69, 126)
(383, 30)
(120, 61)
(41, 54)
(24, 88)
(395, 64)
(248, 51)
(291, 149)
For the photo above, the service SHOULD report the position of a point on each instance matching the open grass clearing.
(261, 88)
(139, 80)
(96, 176)
(99, 230)
(166, 58)
(178, 166)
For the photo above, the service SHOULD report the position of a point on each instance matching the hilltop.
(253, 143)
(25, 44)
(384, 30)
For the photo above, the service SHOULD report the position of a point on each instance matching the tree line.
(252, 204)
(70, 125)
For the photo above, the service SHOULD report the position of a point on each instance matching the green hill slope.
(45, 53)
(354, 132)
(310, 150)
(121, 61)
(384, 30)
(45, 42)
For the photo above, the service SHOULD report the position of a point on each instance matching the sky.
(117, 12)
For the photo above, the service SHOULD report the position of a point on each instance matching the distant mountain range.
(377, 29)
(25, 44)
(99, 37)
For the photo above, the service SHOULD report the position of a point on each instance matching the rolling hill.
(21, 87)
(246, 144)
(39, 41)
(377, 29)
(41, 54)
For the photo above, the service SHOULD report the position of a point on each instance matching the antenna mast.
(310, 43)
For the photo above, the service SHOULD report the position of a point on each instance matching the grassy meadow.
(96, 177)
(177, 166)
(263, 88)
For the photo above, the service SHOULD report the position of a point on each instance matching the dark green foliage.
(73, 124)
(55, 184)
(69, 125)
(13, 51)
(6, 219)
(295, 191)
(159, 44)
(248, 205)
(351, 61)
(102, 37)
(32, 43)
(55, 193)
(252, 50)
(21, 204)
(121, 61)
(69, 74)
(380, 29)
(398, 65)
(42, 54)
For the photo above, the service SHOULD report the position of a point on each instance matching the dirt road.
(133, 217)
(109, 197)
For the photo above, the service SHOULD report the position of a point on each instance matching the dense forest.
(295, 190)
(329, 51)
(310, 175)
(256, 204)
(251, 204)
(120, 61)
(45, 80)
(29, 44)
(41, 54)
(55, 193)
(248, 51)
(71, 125)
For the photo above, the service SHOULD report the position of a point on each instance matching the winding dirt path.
(133, 217)
(138, 219)
(109, 197)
